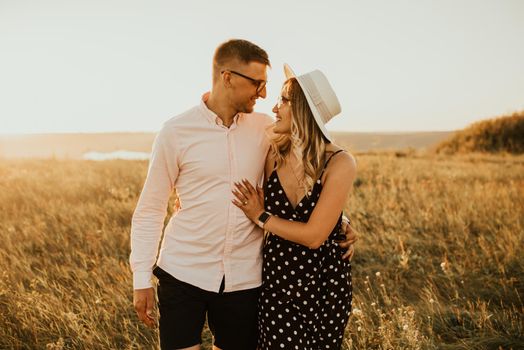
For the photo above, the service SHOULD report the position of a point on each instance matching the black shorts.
(232, 316)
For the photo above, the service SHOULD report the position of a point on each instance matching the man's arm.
(150, 212)
(148, 222)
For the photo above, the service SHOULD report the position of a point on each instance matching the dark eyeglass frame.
(260, 84)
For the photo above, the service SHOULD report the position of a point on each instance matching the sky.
(126, 65)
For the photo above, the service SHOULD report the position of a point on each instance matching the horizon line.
(156, 131)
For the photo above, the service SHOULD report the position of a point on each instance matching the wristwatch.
(263, 218)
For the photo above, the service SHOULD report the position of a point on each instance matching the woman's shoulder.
(270, 163)
(270, 158)
(342, 160)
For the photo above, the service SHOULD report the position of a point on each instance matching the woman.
(306, 294)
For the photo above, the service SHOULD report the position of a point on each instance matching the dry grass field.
(439, 263)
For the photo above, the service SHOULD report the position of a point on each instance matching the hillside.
(502, 134)
(75, 146)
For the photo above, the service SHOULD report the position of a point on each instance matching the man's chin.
(248, 109)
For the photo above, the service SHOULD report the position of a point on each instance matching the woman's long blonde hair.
(305, 140)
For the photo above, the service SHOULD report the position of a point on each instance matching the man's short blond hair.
(238, 50)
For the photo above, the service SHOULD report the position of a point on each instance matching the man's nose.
(263, 93)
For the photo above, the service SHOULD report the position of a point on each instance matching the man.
(210, 259)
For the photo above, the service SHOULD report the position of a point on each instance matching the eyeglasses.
(260, 84)
(282, 100)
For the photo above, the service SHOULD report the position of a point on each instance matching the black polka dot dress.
(306, 295)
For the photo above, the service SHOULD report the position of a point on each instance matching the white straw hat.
(319, 95)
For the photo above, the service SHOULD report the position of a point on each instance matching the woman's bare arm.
(337, 186)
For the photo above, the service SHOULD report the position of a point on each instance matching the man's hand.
(351, 238)
(144, 301)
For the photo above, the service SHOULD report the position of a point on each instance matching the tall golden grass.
(439, 263)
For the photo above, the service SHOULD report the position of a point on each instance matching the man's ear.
(226, 78)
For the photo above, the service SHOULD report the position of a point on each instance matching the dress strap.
(327, 162)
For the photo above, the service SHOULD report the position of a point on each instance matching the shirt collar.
(211, 116)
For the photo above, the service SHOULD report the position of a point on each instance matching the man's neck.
(218, 105)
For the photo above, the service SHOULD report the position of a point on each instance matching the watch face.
(263, 217)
